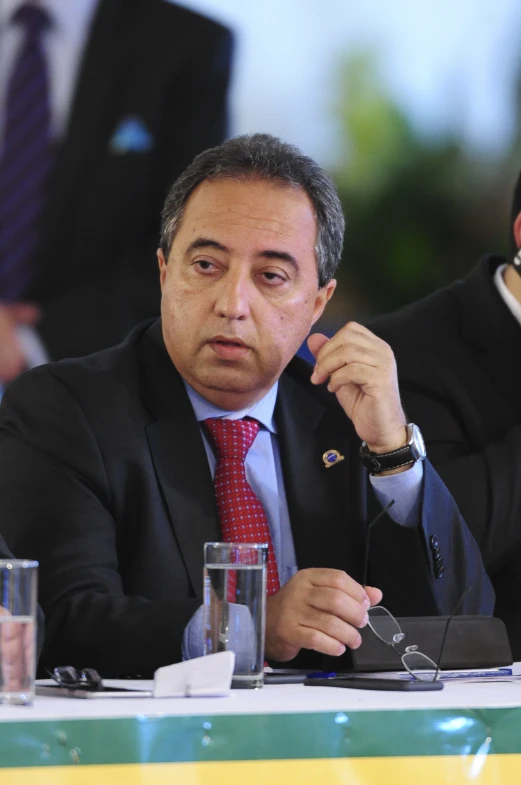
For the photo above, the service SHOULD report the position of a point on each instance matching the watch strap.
(411, 452)
(377, 463)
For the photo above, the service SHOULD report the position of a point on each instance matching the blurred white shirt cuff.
(405, 489)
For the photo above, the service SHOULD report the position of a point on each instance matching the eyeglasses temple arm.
(445, 633)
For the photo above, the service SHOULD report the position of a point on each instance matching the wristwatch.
(411, 452)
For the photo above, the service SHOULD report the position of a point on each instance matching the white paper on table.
(202, 677)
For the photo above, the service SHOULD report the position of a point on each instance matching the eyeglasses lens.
(384, 625)
(421, 666)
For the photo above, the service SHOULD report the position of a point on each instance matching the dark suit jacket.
(458, 362)
(104, 478)
(96, 273)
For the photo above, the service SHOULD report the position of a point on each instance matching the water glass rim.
(235, 554)
(25, 564)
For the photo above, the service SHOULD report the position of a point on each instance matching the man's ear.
(162, 267)
(323, 297)
(517, 230)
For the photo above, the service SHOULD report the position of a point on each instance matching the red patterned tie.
(241, 514)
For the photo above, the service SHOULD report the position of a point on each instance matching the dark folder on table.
(472, 642)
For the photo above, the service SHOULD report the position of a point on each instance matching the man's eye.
(273, 278)
(205, 265)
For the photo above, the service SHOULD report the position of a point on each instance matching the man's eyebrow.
(269, 253)
(206, 242)
(282, 255)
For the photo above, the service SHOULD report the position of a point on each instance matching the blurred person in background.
(102, 104)
(458, 354)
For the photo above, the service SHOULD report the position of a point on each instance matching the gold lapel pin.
(331, 457)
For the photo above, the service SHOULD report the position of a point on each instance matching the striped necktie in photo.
(26, 154)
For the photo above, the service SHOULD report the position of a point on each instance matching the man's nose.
(233, 296)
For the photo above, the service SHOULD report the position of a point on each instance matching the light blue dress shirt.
(264, 474)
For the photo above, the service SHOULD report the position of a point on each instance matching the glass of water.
(18, 591)
(235, 606)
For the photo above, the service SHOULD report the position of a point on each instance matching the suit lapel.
(488, 324)
(94, 110)
(319, 498)
(178, 455)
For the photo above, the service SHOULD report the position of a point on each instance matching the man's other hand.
(361, 370)
(12, 360)
(319, 609)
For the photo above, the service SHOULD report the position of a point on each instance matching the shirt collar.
(263, 410)
(513, 305)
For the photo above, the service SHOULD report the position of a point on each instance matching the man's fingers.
(315, 343)
(352, 332)
(319, 609)
(319, 641)
(335, 579)
(360, 374)
(12, 358)
(344, 359)
(349, 337)
(346, 347)
(375, 595)
(23, 313)
(340, 606)
(321, 629)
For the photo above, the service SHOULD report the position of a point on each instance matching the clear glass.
(18, 592)
(235, 606)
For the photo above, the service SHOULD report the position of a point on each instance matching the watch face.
(418, 443)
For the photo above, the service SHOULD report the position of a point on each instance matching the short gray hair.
(265, 157)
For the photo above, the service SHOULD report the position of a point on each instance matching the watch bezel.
(416, 442)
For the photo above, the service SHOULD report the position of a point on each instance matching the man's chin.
(228, 389)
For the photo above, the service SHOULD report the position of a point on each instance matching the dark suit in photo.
(151, 93)
(104, 478)
(460, 379)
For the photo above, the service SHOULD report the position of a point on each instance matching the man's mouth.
(228, 348)
(227, 341)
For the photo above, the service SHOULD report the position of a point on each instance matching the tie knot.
(34, 18)
(231, 438)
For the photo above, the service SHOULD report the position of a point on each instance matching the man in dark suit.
(106, 462)
(150, 93)
(460, 382)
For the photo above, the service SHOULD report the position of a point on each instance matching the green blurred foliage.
(420, 210)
